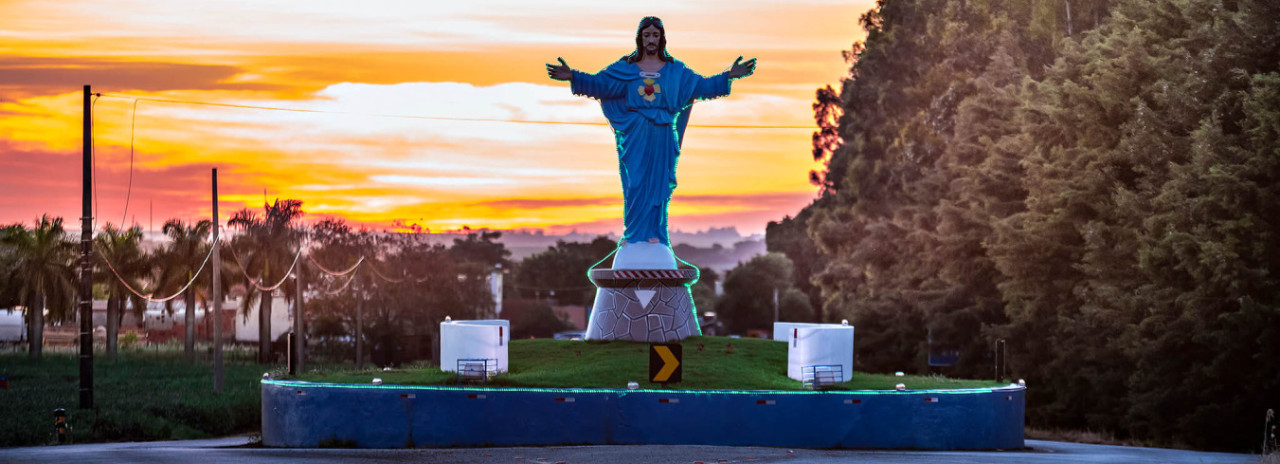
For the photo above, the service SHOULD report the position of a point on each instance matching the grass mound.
(709, 363)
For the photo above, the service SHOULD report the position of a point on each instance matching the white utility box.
(486, 339)
(810, 345)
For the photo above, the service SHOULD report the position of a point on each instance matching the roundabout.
(426, 408)
(308, 414)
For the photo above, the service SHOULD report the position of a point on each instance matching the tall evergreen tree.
(1136, 183)
(1208, 247)
(929, 161)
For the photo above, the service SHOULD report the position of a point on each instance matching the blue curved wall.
(302, 414)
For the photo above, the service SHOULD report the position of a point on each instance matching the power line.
(133, 122)
(335, 273)
(341, 288)
(349, 272)
(148, 297)
(427, 118)
(93, 156)
(388, 279)
(257, 285)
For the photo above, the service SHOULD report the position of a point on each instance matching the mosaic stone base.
(645, 310)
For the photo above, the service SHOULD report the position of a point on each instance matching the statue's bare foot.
(653, 240)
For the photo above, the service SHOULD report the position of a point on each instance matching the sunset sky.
(357, 60)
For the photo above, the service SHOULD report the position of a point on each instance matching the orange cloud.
(464, 60)
(24, 77)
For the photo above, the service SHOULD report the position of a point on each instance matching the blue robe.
(649, 128)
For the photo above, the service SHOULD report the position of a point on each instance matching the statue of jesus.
(647, 97)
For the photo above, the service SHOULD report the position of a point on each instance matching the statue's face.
(651, 38)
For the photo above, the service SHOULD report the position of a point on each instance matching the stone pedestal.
(645, 305)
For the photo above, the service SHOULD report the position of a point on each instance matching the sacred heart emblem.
(649, 90)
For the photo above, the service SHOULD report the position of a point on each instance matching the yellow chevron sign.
(664, 362)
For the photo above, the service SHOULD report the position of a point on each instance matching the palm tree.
(8, 259)
(182, 260)
(267, 240)
(120, 257)
(43, 271)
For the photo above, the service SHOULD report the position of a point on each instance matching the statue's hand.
(560, 73)
(741, 68)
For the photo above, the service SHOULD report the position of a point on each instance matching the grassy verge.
(709, 363)
(142, 395)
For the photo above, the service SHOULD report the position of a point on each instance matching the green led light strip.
(624, 392)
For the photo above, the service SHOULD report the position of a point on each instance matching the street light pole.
(775, 305)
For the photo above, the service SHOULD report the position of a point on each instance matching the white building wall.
(11, 325)
(247, 327)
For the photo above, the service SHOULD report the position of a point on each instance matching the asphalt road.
(232, 450)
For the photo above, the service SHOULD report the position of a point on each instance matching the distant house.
(158, 325)
(281, 320)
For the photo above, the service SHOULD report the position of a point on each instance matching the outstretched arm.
(595, 86)
(741, 69)
(560, 73)
(706, 88)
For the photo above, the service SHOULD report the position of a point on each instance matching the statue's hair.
(662, 41)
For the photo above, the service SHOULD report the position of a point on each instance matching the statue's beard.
(651, 49)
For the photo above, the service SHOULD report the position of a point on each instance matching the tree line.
(387, 290)
(407, 283)
(1093, 181)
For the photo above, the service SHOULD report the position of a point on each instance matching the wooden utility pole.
(360, 327)
(297, 322)
(217, 292)
(86, 261)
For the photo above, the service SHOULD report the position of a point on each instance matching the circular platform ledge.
(306, 414)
